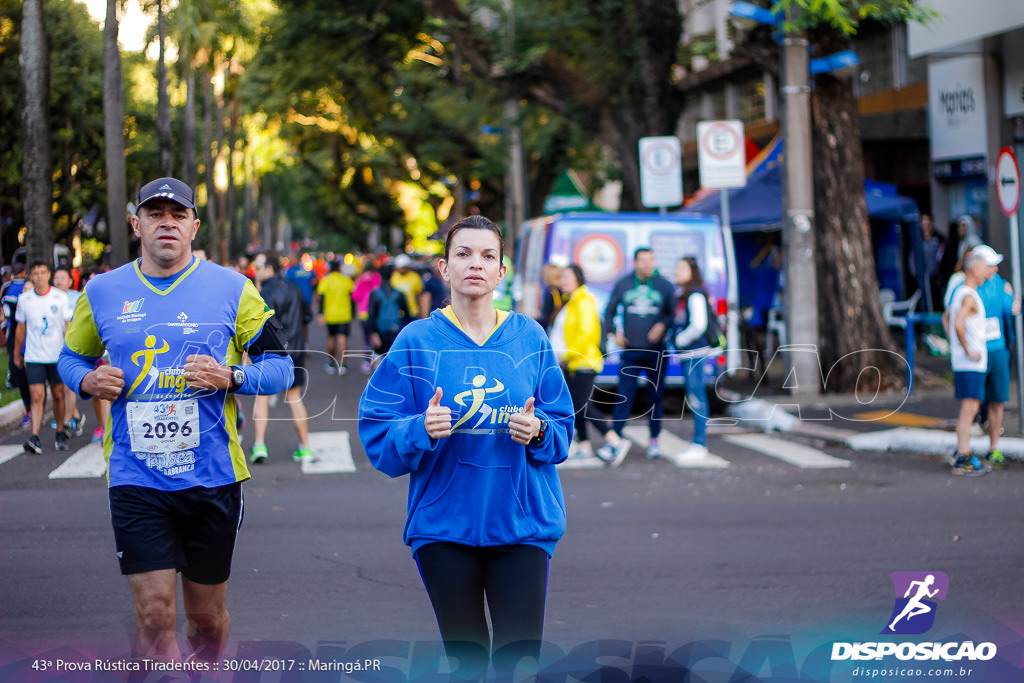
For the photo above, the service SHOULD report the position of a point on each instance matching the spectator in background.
(409, 282)
(335, 302)
(968, 236)
(9, 294)
(931, 256)
(553, 298)
(576, 339)
(435, 291)
(74, 422)
(365, 284)
(640, 311)
(302, 276)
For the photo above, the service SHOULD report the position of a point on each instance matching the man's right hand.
(105, 382)
(19, 361)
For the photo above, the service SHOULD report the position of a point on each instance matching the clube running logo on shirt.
(914, 610)
(482, 417)
(166, 383)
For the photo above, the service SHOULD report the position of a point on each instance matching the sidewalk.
(922, 423)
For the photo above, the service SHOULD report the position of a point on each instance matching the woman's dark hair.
(696, 278)
(578, 274)
(476, 223)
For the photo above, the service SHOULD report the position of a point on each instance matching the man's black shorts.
(42, 373)
(301, 374)
(193, 530)
(337, 328)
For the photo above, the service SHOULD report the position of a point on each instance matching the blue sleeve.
(552, 404)
(391, 424)
(270, 373)
(73, 368)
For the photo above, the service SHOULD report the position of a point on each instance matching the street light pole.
(801, 293)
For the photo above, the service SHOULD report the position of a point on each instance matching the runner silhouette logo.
(913, 612)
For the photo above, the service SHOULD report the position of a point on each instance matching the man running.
(74, 422)
(176, 328)
(42, 316)
(295, 315)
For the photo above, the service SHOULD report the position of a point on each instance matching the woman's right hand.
(438, 418)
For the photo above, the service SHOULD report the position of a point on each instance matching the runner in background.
(334, 296)
(74, 422)
(366, 283)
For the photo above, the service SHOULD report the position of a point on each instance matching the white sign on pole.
(1008, 181)
(661, 172)
(721, 154)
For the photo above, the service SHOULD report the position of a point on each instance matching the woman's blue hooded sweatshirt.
(476, 487)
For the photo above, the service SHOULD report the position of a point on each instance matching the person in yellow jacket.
(576, 336)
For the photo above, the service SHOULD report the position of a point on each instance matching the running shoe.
(32, 445)
(330, 369)
(259, 453)
(365, 367)
(77, 425)
(653, 451)
(53, 424)
(342, 369)
(969, 466)
(26, 421)
(97, 435)
(996, 460)
(614, 455)
(61, 440)
(303, 454)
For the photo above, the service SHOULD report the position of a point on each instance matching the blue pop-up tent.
(755, 213)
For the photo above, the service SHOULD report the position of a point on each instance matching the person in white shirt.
(74, 422)
(42, 318)
(969, 357)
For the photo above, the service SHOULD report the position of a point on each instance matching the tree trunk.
(36, 164)
(222, 233)
(210, 160)
(163, 102)
(233, 226)
(856, 348)
(188, 141)
(113, 132)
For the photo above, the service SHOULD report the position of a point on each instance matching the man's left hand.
(205, 373)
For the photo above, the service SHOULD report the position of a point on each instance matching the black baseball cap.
(167, 188)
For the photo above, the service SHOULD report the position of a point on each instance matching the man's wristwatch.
(237, 378)
(535, 441)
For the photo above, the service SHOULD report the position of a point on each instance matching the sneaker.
(969, 466)
(342, 369)
(653, 451)
(61, 440)
(694, 453)
(26, 421)
(77, 425)
(259, 453)
(365, 367)
(53, 425)
(97, 435)
(614, 455)
(330, 369)
(32, 445)
(996, 460)
(303, 455)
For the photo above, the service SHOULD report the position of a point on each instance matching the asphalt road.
(753, 569)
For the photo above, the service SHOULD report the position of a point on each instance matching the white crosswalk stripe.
(332, 454)
(795, 454)
(85, 463)
(670, 445)
(10, 452)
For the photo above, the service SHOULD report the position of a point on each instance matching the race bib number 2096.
(163, 426)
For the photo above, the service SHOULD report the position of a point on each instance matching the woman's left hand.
(524, 426)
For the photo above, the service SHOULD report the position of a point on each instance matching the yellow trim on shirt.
(163, 292)
(450, 314)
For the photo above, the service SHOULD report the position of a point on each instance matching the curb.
(11, 414)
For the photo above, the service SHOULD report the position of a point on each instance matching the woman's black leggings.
(514, 579)
(581, 389)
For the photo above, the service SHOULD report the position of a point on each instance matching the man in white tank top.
(969, 358)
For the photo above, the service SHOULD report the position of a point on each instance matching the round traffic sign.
(1008, 181)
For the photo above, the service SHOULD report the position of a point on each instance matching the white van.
(602, 245)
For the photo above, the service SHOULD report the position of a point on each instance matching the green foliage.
(846, 16)
(76, 111)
